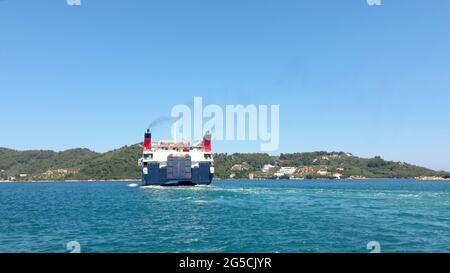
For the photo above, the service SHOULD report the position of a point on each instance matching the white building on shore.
(323, 172)
(267, 167)
(285, 171)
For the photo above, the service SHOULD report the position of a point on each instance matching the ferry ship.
(176, 163)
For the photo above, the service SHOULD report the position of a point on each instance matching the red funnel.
(147, 141)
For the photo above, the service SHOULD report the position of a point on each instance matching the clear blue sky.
(347, 76)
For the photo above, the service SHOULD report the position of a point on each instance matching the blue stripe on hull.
(158, 176)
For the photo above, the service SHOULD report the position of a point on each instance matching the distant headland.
(121, 164)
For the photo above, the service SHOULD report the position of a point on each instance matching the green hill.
(309, 165)
(35, 163)
(83, 164)
(117, 164)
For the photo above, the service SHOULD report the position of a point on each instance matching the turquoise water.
(228, 216)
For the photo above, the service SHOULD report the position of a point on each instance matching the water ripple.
(234, 216)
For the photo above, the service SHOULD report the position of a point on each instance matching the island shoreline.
(231, 180)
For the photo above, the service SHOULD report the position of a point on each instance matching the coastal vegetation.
(315, 165)
(83, 164)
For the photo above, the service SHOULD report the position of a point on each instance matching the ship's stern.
(176, 163)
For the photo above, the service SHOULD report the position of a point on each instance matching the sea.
(282, 216)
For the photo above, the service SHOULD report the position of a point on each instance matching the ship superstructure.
(176, 163)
